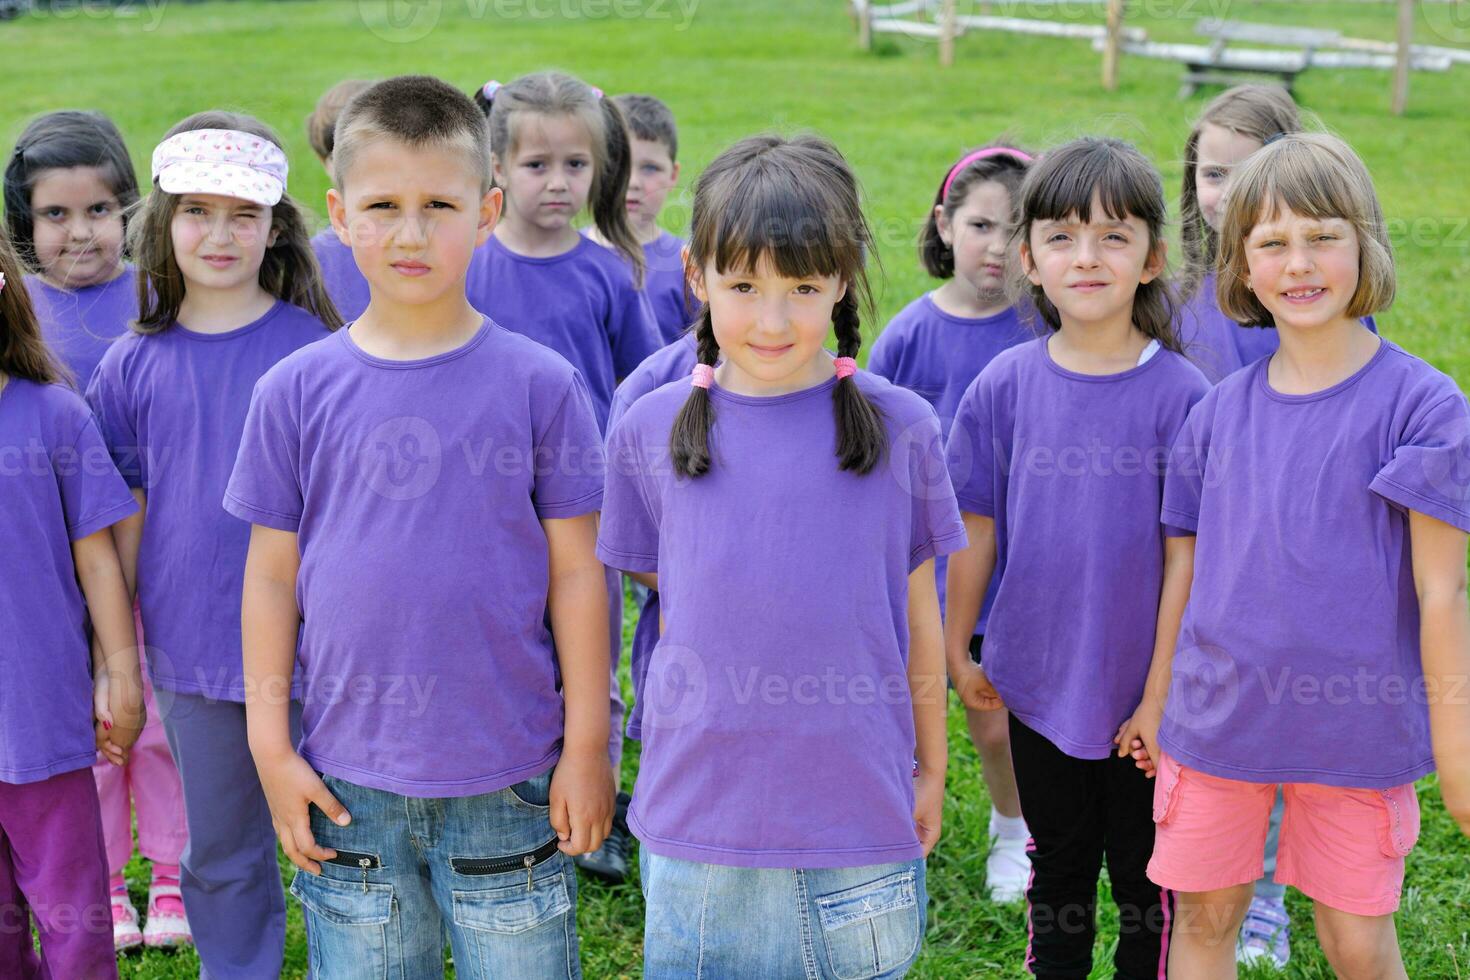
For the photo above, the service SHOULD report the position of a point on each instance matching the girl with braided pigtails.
(800, 671)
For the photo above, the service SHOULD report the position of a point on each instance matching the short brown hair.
(416, 110)
(321, 125)
(1314, 175)
(650, 119)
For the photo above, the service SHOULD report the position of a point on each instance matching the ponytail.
(861, 438)
(689, 438)
(23, 354)
(610, 189)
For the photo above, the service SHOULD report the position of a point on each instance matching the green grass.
(733, 68)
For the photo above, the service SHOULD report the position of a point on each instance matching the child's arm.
(1139, 735)
(128, 536)
(649, 580)
(926, 689)
(965, 586)
(117, 684)
(269, 622)
(582, 786)
(1438, 551)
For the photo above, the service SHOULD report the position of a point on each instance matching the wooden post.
(947, 30)
(864, 9)
(1402, 57)
(1111, 45)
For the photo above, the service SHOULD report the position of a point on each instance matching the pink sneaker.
(125, 934)
(167, 924)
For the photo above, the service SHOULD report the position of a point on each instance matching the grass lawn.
(732, 67)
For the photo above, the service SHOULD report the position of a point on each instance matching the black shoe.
(609, 862)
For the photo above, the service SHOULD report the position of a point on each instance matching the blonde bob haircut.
(1314, 175)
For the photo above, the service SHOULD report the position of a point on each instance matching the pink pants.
(149, 782)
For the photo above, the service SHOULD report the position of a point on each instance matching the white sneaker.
(1007, 870)
(125, 932)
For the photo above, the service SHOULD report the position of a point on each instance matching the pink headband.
(703, 375)
(846, 367)
(965, 161)
(221, 161)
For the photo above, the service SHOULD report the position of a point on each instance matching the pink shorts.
(1342, 847)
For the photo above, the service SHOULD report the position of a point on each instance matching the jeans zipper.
(357, 859)
(513, 862)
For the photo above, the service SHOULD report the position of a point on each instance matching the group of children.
(378, 566)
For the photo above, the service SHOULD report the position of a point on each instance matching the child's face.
(770, 328)
(78, 226)
(1091, 271)
(654, 175)
(1304, 270)
(978, 233)
(1220, 151)
(219, 241)
(548, 176)
(413, 217)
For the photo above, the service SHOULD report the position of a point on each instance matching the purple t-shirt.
(1217, 344)
(1071, 467)
(80, 324)
(171, 407)
(777, 728)
(667, 364)
(60, 486)
(1298, 657)
(663, 282)
(937, 355)
(340, 274)
(581, 304)
(417, 489)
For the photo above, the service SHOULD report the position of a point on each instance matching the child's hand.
(291, 786)
(114, 750)
(1139, 737)
(928, 808)
(582, 798)
(974, 687)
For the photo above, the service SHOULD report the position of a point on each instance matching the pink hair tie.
(846, 367)
(703, 376)
(978, 155)
(597, 92)
(489, 89)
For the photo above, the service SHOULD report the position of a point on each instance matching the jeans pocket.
(1398, 831)
(871, 930)
(512, 908)
(346, 925)
(532, 794)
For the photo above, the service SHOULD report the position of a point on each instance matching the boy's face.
(654, 175)
(413, 217)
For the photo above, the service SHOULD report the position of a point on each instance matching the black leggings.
(1080, 811)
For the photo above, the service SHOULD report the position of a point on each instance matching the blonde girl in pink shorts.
(1328, 487)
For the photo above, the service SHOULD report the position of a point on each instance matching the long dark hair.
(57, 141)
(288, 272)
(1062, 184)
(23, 354)
(796, 204)
(554, 93)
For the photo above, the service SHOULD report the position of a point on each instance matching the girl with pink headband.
(227, 287)
(935, 347)
(782, 723)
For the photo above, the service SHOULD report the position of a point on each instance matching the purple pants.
(53, 868)
(230, 881)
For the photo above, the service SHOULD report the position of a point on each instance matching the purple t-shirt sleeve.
(971, 451)
(937, 527)
(628, 536)
(1185, 474)
(1430, 468)
(569, 468)
(632, 329)
(265, 485)
(93, 495)
(108, 396)
(880, 358)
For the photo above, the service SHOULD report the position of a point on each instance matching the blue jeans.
(716, 922)
(483, 869)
